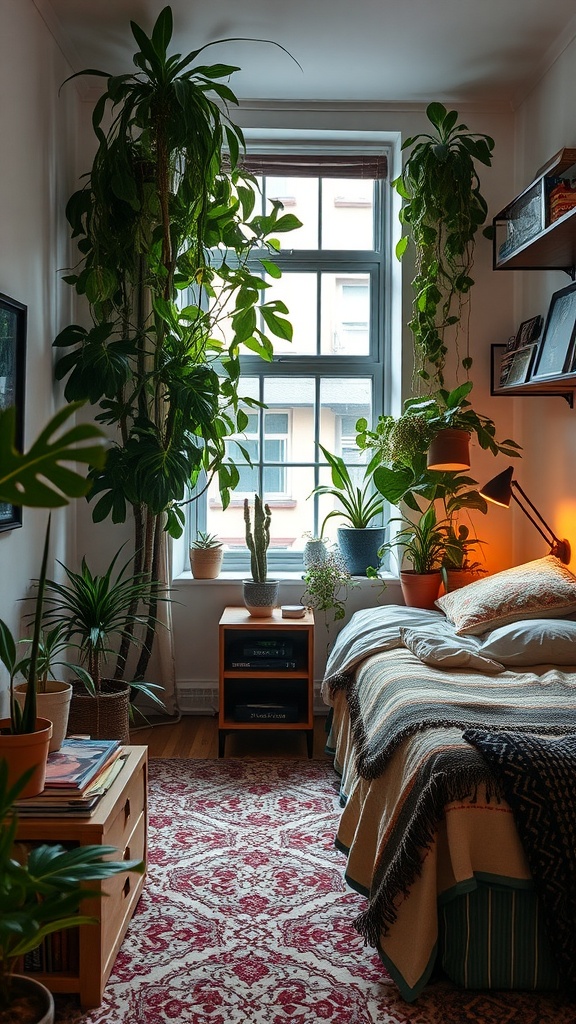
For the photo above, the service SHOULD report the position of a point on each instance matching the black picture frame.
(529, 331)
(555, 351)
(13, 322)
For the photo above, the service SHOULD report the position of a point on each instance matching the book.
(77, 763)
(267, 649)
(69, 804)
(266, 713)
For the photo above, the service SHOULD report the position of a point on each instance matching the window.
(334, 272)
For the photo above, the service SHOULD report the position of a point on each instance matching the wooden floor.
(196, 736)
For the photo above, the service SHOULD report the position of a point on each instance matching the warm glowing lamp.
(500, 491)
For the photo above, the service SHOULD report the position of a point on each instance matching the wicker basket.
(104, 717)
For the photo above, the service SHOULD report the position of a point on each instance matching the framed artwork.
(13, 317)
(519, 371)
(529, 331)
(556, 348)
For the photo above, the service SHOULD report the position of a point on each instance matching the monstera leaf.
(38, 477)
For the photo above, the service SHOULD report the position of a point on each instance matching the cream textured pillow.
(544, 587)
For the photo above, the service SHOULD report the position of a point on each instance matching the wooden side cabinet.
(266, 674)
(83, 959)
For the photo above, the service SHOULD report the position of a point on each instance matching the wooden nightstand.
(87, 954)
(266, 674)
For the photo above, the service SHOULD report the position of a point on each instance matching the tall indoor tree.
(166, 226)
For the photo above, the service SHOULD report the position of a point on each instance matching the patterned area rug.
(246, 919)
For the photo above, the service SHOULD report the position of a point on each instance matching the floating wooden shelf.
(562, 387)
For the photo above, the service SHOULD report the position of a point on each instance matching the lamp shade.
(449, 450)
(499, 489)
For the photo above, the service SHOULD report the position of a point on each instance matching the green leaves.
(39, 477)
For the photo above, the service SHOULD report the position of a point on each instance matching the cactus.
(258, 538)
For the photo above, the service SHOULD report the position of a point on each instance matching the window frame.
(375, 365)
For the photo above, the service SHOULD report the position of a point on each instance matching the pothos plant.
(443, 208)
(175, 265)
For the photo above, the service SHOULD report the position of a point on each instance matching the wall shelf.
(559, 387)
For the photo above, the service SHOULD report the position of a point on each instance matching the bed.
(436, 835)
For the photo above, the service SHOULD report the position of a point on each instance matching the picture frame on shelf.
(505, 367)
(521, 366)
(556, 349)
(529, 331)
(13, 320)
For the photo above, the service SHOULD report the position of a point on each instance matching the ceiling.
(488, 52)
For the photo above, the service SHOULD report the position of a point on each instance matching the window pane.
(299, 392)
(345, 314)
(298, 291)
(343, 400)
(347, 213)
(300, 197)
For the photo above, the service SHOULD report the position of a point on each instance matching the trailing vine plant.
(443, 209)
(166, 225)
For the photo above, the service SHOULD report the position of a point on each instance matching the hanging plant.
(443, 209)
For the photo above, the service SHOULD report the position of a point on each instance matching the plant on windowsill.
(41, 892)
(424, 544)
(206, 553)
(359, 541)
(260, 593)
(165, 213)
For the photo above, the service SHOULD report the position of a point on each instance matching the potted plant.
(95, 611)
(327, 585)
(166, 213)
(459, 568)
(443, 208)
(206, 555)
(359, 541)
(315, 550)
(260, 593)
(41, 892)
(424, 544)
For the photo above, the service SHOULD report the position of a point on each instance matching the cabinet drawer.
(129, 810)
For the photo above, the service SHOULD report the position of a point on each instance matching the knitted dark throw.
(538, 778)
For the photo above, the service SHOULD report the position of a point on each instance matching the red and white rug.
(246, 918)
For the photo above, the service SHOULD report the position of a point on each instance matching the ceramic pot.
(314, 553)
(261, 598)
(22, 751)
(420, 590)
(206, 563)
(359, 548)
(458, 578)
(31, 1001)
(54, 705)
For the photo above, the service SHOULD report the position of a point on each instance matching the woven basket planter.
(103, 717)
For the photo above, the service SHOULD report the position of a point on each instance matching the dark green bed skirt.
(493, 937)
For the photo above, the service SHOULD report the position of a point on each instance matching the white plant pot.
(53, 705)
(261, 598)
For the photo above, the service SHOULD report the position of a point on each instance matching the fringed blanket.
(538, 777)
(393, 696)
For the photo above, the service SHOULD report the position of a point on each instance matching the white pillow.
(532, 642)
(442, 650)
(534, 590)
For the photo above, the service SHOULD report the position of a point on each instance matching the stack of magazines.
(77, 776)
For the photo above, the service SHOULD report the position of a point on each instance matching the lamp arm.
(514, 483)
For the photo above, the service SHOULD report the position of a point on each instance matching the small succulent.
(205, 541)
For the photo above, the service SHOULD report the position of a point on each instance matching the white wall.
(545, 123)
(37, 128)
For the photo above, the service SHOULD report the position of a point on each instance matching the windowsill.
(284, 577)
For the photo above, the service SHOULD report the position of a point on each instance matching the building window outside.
(320, 384)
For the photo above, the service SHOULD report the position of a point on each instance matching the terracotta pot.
(54, 705)
(261, 598)
(458, 578)
(449, 450)
(22, 751)
(420, 590)
(205, 563)
(31, 1002)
